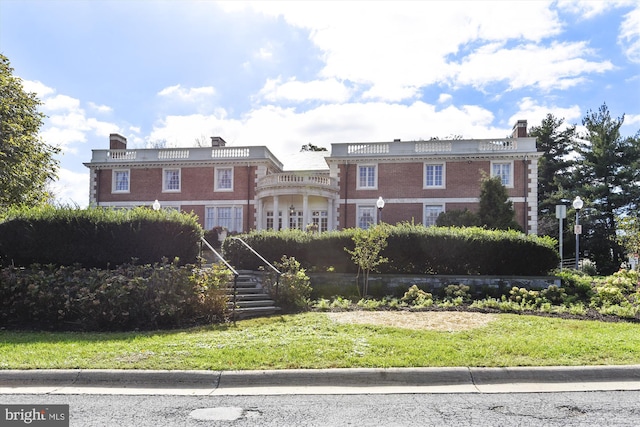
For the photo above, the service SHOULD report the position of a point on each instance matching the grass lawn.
(313, 340)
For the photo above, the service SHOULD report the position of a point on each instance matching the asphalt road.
(594, 408)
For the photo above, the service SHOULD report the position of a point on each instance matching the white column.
(330, 214)
(259, 214)
(305, 213)
(275, 212)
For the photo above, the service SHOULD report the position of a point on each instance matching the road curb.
(308, 378)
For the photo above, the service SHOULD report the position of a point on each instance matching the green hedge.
(97, 237)
(412, 249)
(130, 297)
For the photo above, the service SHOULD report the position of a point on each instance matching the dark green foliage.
(412, 249)
(458, 218)
(496, 210)
(554, 140)
(129, 297)
(606, 177)
(97, 237)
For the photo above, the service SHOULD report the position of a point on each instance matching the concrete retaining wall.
(327, 285)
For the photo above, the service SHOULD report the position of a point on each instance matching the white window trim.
(375, 172)
(239, 222)
(424, 175)
(365, 206)
(114, 184)
(215, 178)
(424, 212)
(511, 183)
(164, 182)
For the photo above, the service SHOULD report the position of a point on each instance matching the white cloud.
(61, 103)
(71, 188)
(187, 95)
(37, 87)
(587, 9)
(323, 90)
(558, 66)
(285, 130)
(68, 124)
(100, 108)
(534, 113)
(402, 46)
(629, 37)
(444, 98)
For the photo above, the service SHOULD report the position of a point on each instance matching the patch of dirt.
(449, 321)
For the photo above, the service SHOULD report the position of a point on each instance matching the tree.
(312, 147)
(457, 218)
(606, 177)
(629, 234)
(366, 253)
(554, 169)
(27, 163)
(496, 210)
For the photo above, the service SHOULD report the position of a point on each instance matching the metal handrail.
(235, 276)
(263, 260)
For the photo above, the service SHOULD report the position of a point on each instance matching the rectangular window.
(270, 221)
(504, 171)
(229, 217)
(320, 219)
(120, 181)
(224, 179)
(367, 177)
(295, 220)
(171, 180)
(366, 216)
(434, 176)
(431, 213)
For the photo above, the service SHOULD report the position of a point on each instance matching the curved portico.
(296, 200)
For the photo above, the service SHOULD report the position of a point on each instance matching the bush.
(294, 287)
(411, 249)
(130, 297)
(97, 237)
(417, 297)
(454, 292)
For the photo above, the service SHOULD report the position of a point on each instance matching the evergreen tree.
(606, 177)
(496, 210)
(27, 164)
(555, 141)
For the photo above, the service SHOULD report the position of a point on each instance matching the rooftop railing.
(452, 147)
(186, 154)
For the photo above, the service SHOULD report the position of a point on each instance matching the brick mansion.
(245, 188)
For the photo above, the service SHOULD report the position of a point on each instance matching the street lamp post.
(577, 205)
(380, 205)
(561, 213)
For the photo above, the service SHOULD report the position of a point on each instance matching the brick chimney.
(520, 129)
(217, 141)
(117, 142)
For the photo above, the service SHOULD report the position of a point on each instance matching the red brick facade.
(241, 187)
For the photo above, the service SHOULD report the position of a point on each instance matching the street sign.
(561, 211)
(577, 229)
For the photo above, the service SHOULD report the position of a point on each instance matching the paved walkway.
(322, 381)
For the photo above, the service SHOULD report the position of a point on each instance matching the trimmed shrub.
(97, 237)
(411, 249)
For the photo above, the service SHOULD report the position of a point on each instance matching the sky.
(285, 74)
